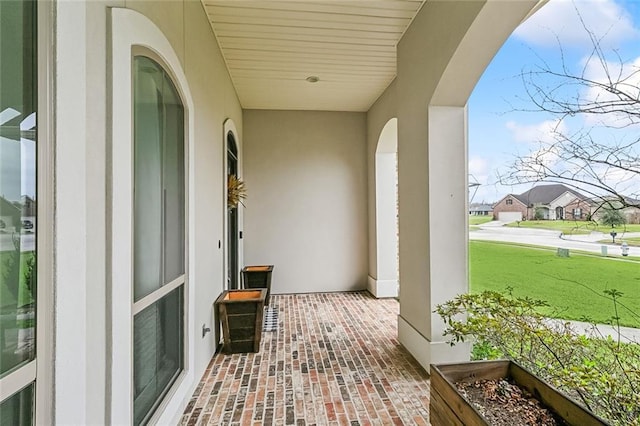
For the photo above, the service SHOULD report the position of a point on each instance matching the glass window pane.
(147, 177)
(159, 200)
(174, 185)
(18, 408)
(18, 103)
(159, 233)
(157, 351)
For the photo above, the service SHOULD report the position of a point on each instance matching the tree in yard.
(602, 100)
(612, 216)
(538, 213)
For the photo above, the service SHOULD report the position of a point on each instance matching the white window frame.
(230, 127)
(44, 391)
(133, 34)
(40, 370)
(180, 281)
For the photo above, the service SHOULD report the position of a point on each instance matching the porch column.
(432, 180)
(80, 214)
(448, 220)
(440, 58)
(433, 233)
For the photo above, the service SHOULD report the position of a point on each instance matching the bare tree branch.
(606, 94)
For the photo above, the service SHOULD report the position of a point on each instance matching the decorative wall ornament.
(236, 192)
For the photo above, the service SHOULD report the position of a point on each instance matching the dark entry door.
(232, 219)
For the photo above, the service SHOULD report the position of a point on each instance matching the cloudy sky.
(499, 128)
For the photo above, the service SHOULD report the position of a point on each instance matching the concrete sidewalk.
(627, 334)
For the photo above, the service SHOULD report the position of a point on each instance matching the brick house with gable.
(509, 209)
(552, 202)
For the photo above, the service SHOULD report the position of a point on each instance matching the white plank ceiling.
(272, 47)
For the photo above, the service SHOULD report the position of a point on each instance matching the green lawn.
(7, 297)
(574, 286)
(479, 220)
(573, 227)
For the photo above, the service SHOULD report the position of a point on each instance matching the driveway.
(495, 231)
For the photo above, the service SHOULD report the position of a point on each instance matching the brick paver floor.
(334, 360)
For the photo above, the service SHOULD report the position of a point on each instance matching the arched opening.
(559, 213)
(386, 282)
(233, 219)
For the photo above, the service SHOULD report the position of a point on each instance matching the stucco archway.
(435, 78)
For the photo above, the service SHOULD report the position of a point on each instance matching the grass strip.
(574, 286)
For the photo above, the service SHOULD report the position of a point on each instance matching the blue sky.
(499, 129)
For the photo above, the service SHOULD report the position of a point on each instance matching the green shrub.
(601, 373)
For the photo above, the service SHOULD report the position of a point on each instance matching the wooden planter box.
(240, 312)
(258, 277)
(449, 407)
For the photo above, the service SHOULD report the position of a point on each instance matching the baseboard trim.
(427, 352)
(382, 288)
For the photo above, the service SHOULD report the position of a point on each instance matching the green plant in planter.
(236, 191)
(601, 373)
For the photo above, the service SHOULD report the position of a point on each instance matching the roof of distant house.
(7, 208)
(631, 202)
(477, 207)
(545, 194)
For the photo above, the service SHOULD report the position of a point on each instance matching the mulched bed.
(503, 403)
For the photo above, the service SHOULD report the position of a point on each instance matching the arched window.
(159, 236)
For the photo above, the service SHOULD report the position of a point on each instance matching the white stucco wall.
(306, 206)
(82, 281)
(383, 110)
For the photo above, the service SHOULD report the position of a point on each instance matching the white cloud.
(478, 177)
(544, 132)
(478, 166)
(627, 77)
(558, 20)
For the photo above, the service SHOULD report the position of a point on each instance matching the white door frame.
(230, 127)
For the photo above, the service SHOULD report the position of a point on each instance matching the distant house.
(28, 206)
(9, 216)
(548, 202)
(480, 209)
(630, 213)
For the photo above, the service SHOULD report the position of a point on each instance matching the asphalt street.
(494, 231)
